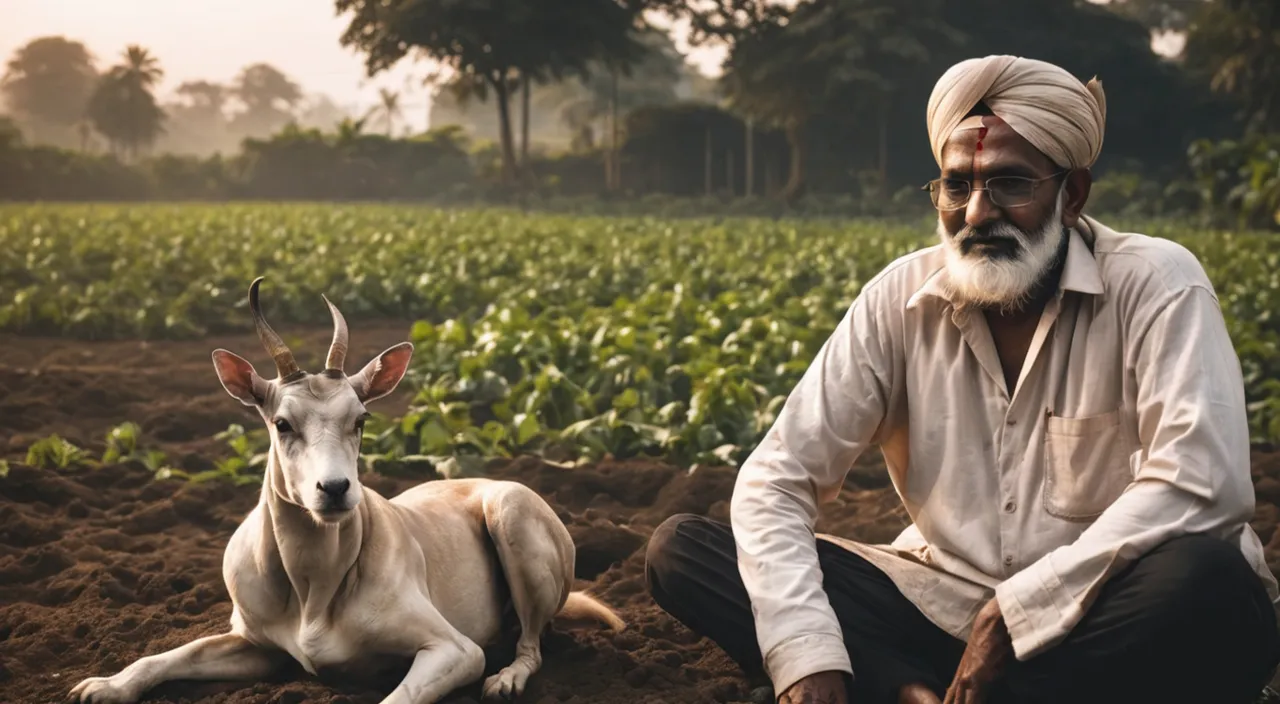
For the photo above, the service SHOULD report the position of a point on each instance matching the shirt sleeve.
(830, 417)
(1194, 478)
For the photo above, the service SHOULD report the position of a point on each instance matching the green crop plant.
(576, 338)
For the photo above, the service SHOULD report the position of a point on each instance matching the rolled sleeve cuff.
(1037, 609)
(793, 660)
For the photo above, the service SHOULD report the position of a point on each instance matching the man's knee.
(1197, 566)
(1202, 582)
(668, 546)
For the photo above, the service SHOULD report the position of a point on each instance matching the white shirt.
(1127, 427)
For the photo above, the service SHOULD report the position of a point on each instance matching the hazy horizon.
(203, 40)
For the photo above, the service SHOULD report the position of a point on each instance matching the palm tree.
(140, 67)
(123, 107)
(387, 110)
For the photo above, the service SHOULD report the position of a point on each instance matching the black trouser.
(1187, 622)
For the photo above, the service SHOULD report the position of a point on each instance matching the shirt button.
(1009, 507)
(1008, 560)
(1011, 421)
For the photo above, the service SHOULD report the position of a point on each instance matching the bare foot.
(917, 694)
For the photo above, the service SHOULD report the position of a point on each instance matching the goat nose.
(334, 488)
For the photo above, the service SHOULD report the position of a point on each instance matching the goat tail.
(583, 606)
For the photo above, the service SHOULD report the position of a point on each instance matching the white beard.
(999, 281)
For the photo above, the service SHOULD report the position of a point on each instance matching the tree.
(652, 80)
(319, 110)
(207, 98)
(269, 98)
(387, 111)
(47, 85)
(1235, 45)
(490, 44)
(197, 120)
(784, 69)
(1158, 15)
(123, 108)
(10, 134)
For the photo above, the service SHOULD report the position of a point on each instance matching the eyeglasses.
(1005, 191)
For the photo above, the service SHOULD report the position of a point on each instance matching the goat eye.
(283, 426)
(360, 425)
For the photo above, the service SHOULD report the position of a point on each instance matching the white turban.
(1049, 107)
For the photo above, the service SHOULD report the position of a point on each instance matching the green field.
(573, 337)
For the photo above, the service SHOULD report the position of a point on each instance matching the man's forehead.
(991, 143)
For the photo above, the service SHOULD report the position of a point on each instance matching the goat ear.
(239, 378)
(381, 375)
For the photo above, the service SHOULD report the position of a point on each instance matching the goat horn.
(338, 349)
(285, 364)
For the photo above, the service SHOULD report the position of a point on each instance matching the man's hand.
(985, 658)
(822, 688)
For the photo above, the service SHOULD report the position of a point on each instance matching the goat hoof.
(507, 684)
(101, 690)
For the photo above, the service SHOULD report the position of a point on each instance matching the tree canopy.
(47, 84)
(1235, 46)
(490, 44)
(123, 107)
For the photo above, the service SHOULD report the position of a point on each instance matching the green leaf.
(627, 400)
(435, 439)
(527, 428)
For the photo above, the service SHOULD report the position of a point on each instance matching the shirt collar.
(1080, 273)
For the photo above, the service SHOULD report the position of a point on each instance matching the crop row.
(568, 336)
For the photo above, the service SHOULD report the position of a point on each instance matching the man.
(1062, 413)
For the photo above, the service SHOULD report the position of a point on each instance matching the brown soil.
(101, 566)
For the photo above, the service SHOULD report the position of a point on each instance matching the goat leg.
(438, 670)
(226, 656)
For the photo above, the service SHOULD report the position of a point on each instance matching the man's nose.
(980, 210)
(334, 488)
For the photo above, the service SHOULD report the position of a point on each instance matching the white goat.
(332, 574)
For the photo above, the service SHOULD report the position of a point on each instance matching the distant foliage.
(46, 84)
(296, 164)
(1239, 179)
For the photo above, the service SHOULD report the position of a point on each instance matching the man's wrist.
(827, 687)
(1032, 604)
(799, 657)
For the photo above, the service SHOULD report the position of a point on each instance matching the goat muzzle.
(286, 366)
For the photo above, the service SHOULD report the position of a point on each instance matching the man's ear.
(239, 378)
(381, 375)
(1078, 184)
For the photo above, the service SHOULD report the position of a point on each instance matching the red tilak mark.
(982, 133)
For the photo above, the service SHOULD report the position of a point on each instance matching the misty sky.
(214, 39)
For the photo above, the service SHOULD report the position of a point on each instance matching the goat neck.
(317, 558)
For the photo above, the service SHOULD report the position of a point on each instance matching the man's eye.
(955, 188)
(1014, 187)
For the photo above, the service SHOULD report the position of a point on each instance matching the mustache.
(990, 231)
(1001, 234)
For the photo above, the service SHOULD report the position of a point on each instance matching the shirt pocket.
(1086, 465)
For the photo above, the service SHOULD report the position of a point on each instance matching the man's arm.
(1191, 417)
(830, 417)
